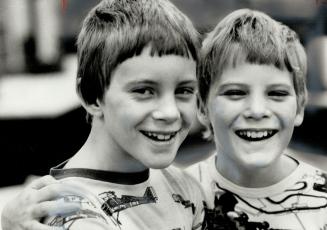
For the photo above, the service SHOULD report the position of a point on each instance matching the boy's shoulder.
(91, 215)
(181, 180)
(313, 177)
(203, 170)
(103, 202)
(306, 166)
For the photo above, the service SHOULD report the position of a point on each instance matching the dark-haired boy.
(137, 80)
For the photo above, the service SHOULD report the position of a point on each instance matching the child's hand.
(36, 201)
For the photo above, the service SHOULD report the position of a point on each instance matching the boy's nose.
(257, 108)
(167, 110)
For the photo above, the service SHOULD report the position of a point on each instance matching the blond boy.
(253, 93)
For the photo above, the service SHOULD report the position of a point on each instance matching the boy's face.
(253, 111)
(149, 107)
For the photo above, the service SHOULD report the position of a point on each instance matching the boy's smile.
(148, 109)
(255, 134)
(160, 136)
(253, 110)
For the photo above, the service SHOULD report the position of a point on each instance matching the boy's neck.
(99, 152)
(256, 177)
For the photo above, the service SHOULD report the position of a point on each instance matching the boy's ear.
(299, 116)
(94, 109)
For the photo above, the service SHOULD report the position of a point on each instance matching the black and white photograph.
(163, 114)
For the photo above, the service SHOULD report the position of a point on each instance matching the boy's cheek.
(189, 110)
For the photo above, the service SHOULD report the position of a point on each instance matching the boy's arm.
(90, 216)
(36, 201)
(83, 222)
(88, 225)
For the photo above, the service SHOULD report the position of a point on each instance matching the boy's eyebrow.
(187, 82)
(150, 82)
(141, 81)
(281, 85)
(222, 86)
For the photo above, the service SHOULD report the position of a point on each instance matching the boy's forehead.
(247, 71)
(147, 67)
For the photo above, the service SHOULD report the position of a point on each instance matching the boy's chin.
(257, 161)
(160, 164)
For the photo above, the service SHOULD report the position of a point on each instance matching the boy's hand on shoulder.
(87, 224)
(36, 201)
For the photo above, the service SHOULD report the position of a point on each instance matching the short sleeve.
(90, 216)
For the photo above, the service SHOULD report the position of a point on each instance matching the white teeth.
(255, 134)
(161, 137)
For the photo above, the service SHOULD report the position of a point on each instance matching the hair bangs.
(116, 30)
(131, 42)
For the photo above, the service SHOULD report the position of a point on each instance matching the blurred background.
(41, 120)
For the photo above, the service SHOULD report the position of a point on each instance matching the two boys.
(252, 93)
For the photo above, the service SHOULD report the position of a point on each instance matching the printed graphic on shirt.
(186, 203)
(231, 210)
(87, 211)
(112, 206)
(221, 216)
(321, 186)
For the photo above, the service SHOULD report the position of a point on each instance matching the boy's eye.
(278, 94)
(234, 94)
(185, 92)
(143, 92)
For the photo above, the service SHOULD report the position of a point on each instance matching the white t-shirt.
(154, 199)
(299, 201)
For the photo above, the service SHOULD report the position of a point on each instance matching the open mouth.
(157, 136)
(255, 135)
